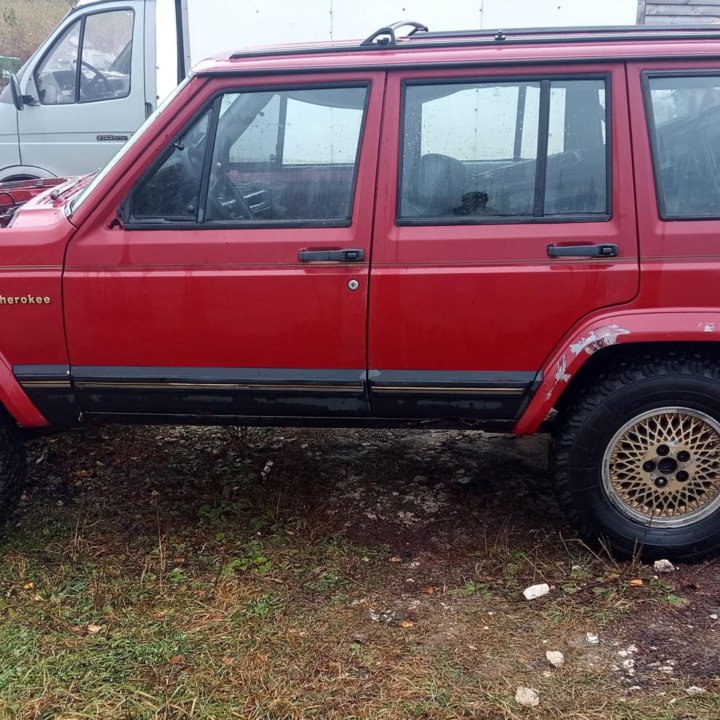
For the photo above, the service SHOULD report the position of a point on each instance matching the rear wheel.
(12, 466)
(636, 457)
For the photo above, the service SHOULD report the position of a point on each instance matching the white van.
(96, 78)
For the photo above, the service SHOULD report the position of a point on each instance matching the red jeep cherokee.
(516, 231)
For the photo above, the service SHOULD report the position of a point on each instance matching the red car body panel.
(452, 299)
(487, 297)
(188, 298)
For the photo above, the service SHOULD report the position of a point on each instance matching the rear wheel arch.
(615, 357)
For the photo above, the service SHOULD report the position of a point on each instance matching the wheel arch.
(14, 399)
(609, 339)
(24, 171)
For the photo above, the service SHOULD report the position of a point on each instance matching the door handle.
(600, 251)
(350, 255)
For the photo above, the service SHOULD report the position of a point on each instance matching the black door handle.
(599, 251)
(349, 255)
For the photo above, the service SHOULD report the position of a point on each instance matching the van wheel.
(636, 457)
(12, 466)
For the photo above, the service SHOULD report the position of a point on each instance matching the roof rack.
(386, 35)
(421, 37)
(590, 32)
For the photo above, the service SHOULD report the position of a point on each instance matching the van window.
(106, 56)
(56, 77)
(105, 61)
(684, 119)
(479, 151)
(284, 158)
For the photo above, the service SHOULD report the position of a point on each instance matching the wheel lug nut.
(663, 450)
(683, 456)
(683, 476)
(661, 482)
(649, 466)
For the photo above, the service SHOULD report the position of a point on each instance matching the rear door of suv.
(505, 213)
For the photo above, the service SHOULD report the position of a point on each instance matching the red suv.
(511, 231)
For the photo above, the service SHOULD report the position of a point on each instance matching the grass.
(156, 573)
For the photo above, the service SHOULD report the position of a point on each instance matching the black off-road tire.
(655, 385)
(12, 466)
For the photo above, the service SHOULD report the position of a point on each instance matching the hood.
(46, 191)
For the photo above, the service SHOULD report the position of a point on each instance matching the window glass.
(172, 191)
(287, 156)
(470, 150)
(684, 118)
(259, 141)
(56, 77)
(576, 174)
(106, 56)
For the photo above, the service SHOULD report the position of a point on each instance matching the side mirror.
(16, 93)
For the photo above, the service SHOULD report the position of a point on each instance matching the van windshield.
(80, 199)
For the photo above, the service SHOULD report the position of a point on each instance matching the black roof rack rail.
(386, 35)
(608, 31)
(420, 37)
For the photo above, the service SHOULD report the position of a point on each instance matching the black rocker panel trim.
(485, 395)
(220, 392)
(205, 393)
(50, 389)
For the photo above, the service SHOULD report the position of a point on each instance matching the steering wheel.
(228, 203)
(98, 85)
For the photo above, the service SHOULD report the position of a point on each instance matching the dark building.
(678, 12)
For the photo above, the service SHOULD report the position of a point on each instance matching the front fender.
(16, 402)
(628, 327)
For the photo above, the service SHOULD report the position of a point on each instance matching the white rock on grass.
(592, 639)
(555, 658)
(527, 697)
(535, 591)
(663, 566)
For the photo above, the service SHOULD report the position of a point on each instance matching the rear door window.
(504, 150)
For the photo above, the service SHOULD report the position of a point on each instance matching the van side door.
(86, 89)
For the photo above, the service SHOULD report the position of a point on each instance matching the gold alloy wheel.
(662, 468)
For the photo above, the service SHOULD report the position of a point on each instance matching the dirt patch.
(294, 573)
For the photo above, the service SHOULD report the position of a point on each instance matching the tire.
(635, 457)
(12, 466)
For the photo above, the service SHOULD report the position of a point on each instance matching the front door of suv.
(497, 189)
(236, 283)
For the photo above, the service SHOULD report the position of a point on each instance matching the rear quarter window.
(684, 124)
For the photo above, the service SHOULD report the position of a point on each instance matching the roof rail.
(386, 35)
(420, 37)
(608, 31)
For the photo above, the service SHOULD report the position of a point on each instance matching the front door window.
(283, 158)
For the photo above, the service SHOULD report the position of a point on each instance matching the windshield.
(80, 199)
